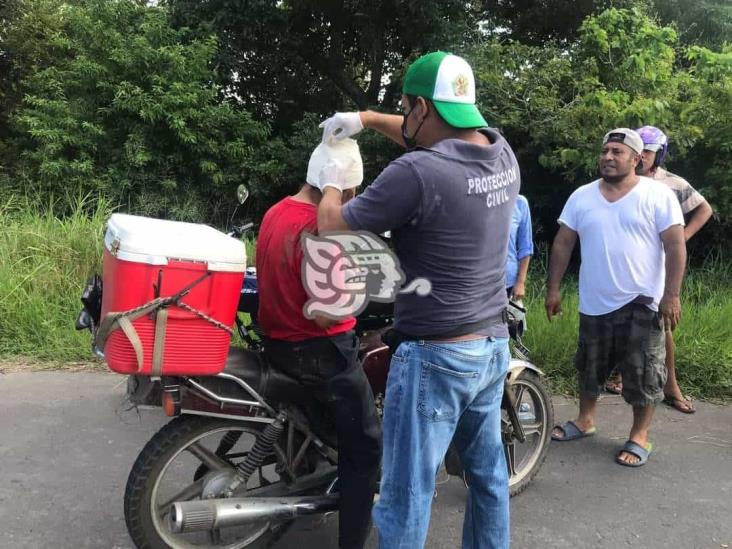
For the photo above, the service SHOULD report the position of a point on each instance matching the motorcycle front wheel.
(536, 415)
(183, 461)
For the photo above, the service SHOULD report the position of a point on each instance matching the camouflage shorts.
(631, 340)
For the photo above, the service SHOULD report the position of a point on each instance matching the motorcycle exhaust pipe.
(193, 516)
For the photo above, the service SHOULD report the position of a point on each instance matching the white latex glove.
(341, 125)
(333, 174)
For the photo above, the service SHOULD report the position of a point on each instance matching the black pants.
(329, 368)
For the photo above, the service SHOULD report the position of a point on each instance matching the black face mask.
(410, 142)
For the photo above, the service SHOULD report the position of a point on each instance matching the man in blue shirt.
(520, 250)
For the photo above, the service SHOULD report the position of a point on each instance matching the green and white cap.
(448, 81)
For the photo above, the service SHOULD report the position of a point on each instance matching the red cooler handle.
(190, 265)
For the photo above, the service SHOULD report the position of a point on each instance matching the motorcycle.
(245, 454)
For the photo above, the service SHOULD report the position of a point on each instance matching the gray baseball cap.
(626, 136)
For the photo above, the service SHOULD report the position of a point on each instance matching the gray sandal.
(572, 432)
(637, 450)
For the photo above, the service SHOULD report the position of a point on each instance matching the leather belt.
(457, 338)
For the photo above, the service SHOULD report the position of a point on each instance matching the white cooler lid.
(155, 241)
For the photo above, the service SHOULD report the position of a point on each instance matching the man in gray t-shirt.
(448, 202)
(449, 208)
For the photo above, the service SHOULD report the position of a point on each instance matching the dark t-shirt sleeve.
(388, 203)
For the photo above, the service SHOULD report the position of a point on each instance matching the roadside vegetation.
(45, 260)
(163, 108)
(703, 339)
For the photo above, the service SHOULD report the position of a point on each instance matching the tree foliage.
(706, 23)
(165, 108)
(710, 108)
(536, 22)
(556, 102)
(293, 56)
(115, 100)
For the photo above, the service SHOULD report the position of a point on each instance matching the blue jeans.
(436, 391)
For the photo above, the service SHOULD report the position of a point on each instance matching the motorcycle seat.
(270, 383)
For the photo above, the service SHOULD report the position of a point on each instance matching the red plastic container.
(146, 258)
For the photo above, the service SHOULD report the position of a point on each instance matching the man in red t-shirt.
(321, 353)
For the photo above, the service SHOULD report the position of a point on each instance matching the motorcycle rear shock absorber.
(261, 449)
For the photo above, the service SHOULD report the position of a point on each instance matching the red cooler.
(145, 259)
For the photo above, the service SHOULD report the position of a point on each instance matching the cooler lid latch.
(114, 247)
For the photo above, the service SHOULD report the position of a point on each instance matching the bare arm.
(388, 125)
(330, 217)
(675, 247)
(699, 217)
(519, 287)
(561, 253)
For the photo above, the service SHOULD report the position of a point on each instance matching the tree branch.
(332, 64)
(338, 77)
(377, 70)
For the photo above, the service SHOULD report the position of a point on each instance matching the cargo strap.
(129, 330)
(159, 306)
(161, 323)
(123, 321)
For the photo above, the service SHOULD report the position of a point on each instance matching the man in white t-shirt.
(633, 256)
(697, 211)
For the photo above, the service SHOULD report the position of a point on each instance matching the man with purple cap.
(633, 256)
(698, 211)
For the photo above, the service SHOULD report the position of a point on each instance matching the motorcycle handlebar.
(238, 232)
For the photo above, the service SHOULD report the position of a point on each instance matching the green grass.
(45, 260)
(703, 339)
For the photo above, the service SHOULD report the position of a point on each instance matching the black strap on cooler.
(158, 307)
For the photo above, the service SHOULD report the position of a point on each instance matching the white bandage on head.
(346, 151)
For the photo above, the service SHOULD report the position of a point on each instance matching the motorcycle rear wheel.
(183, 450)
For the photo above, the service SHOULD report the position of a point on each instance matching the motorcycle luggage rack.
(258, 401)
